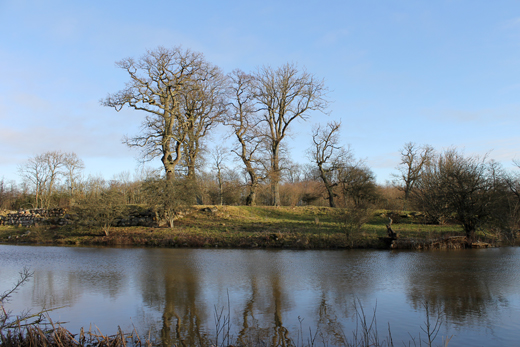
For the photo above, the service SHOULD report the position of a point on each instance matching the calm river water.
(272, 295)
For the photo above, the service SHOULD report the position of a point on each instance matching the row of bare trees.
(184, 97)
(447, 186)
(220, 182)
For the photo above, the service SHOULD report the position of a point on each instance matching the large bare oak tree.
(177, 89)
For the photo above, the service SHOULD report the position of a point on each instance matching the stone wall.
(60, 216)
(28, 218)
(144, 218)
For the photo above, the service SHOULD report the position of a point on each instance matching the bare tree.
(94, 186)
(55, 163)
(244, 121)
(358, 184)
(9, 193)
(506, 189)
(203, 108)
(163, 83)
(329, 156)
(414, 159)
(293, 172)
(285, 94)
(73, 166)
(513, 181)
(454, 186)
(34, 172)
(42, 172)
(219, 155)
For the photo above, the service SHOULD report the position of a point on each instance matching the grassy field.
(247, 227)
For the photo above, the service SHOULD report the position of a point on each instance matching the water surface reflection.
(178, 291)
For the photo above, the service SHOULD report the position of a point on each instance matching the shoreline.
(259, 227)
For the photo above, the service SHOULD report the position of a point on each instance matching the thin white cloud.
(511, 23)
(332, 37)
(479, 116)
(29, 102)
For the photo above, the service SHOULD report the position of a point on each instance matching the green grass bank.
(259, 227)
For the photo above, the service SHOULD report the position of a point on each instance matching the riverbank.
(260, 227)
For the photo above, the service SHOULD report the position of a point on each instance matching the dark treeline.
(183, 98)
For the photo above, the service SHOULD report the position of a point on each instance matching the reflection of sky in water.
(125, 287)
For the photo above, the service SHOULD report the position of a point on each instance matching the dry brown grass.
(57, 336)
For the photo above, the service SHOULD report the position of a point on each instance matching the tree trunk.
(470, 236)
(251, 197)
(191, 171)
(275, 177)
(406, 197)
(275, 191)
(220, 188)
(328, 186)
(168, 162)
(331, 197)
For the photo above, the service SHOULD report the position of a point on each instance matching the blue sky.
(444, 73)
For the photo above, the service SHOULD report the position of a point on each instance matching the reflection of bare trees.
(268, 302)
(172, 285)
(462, 308)
(181, 322)
(52, 289)
(451, 286)
(280, 335)
(248, 321)
(261, 305)
(328, 326)
(270, 290)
